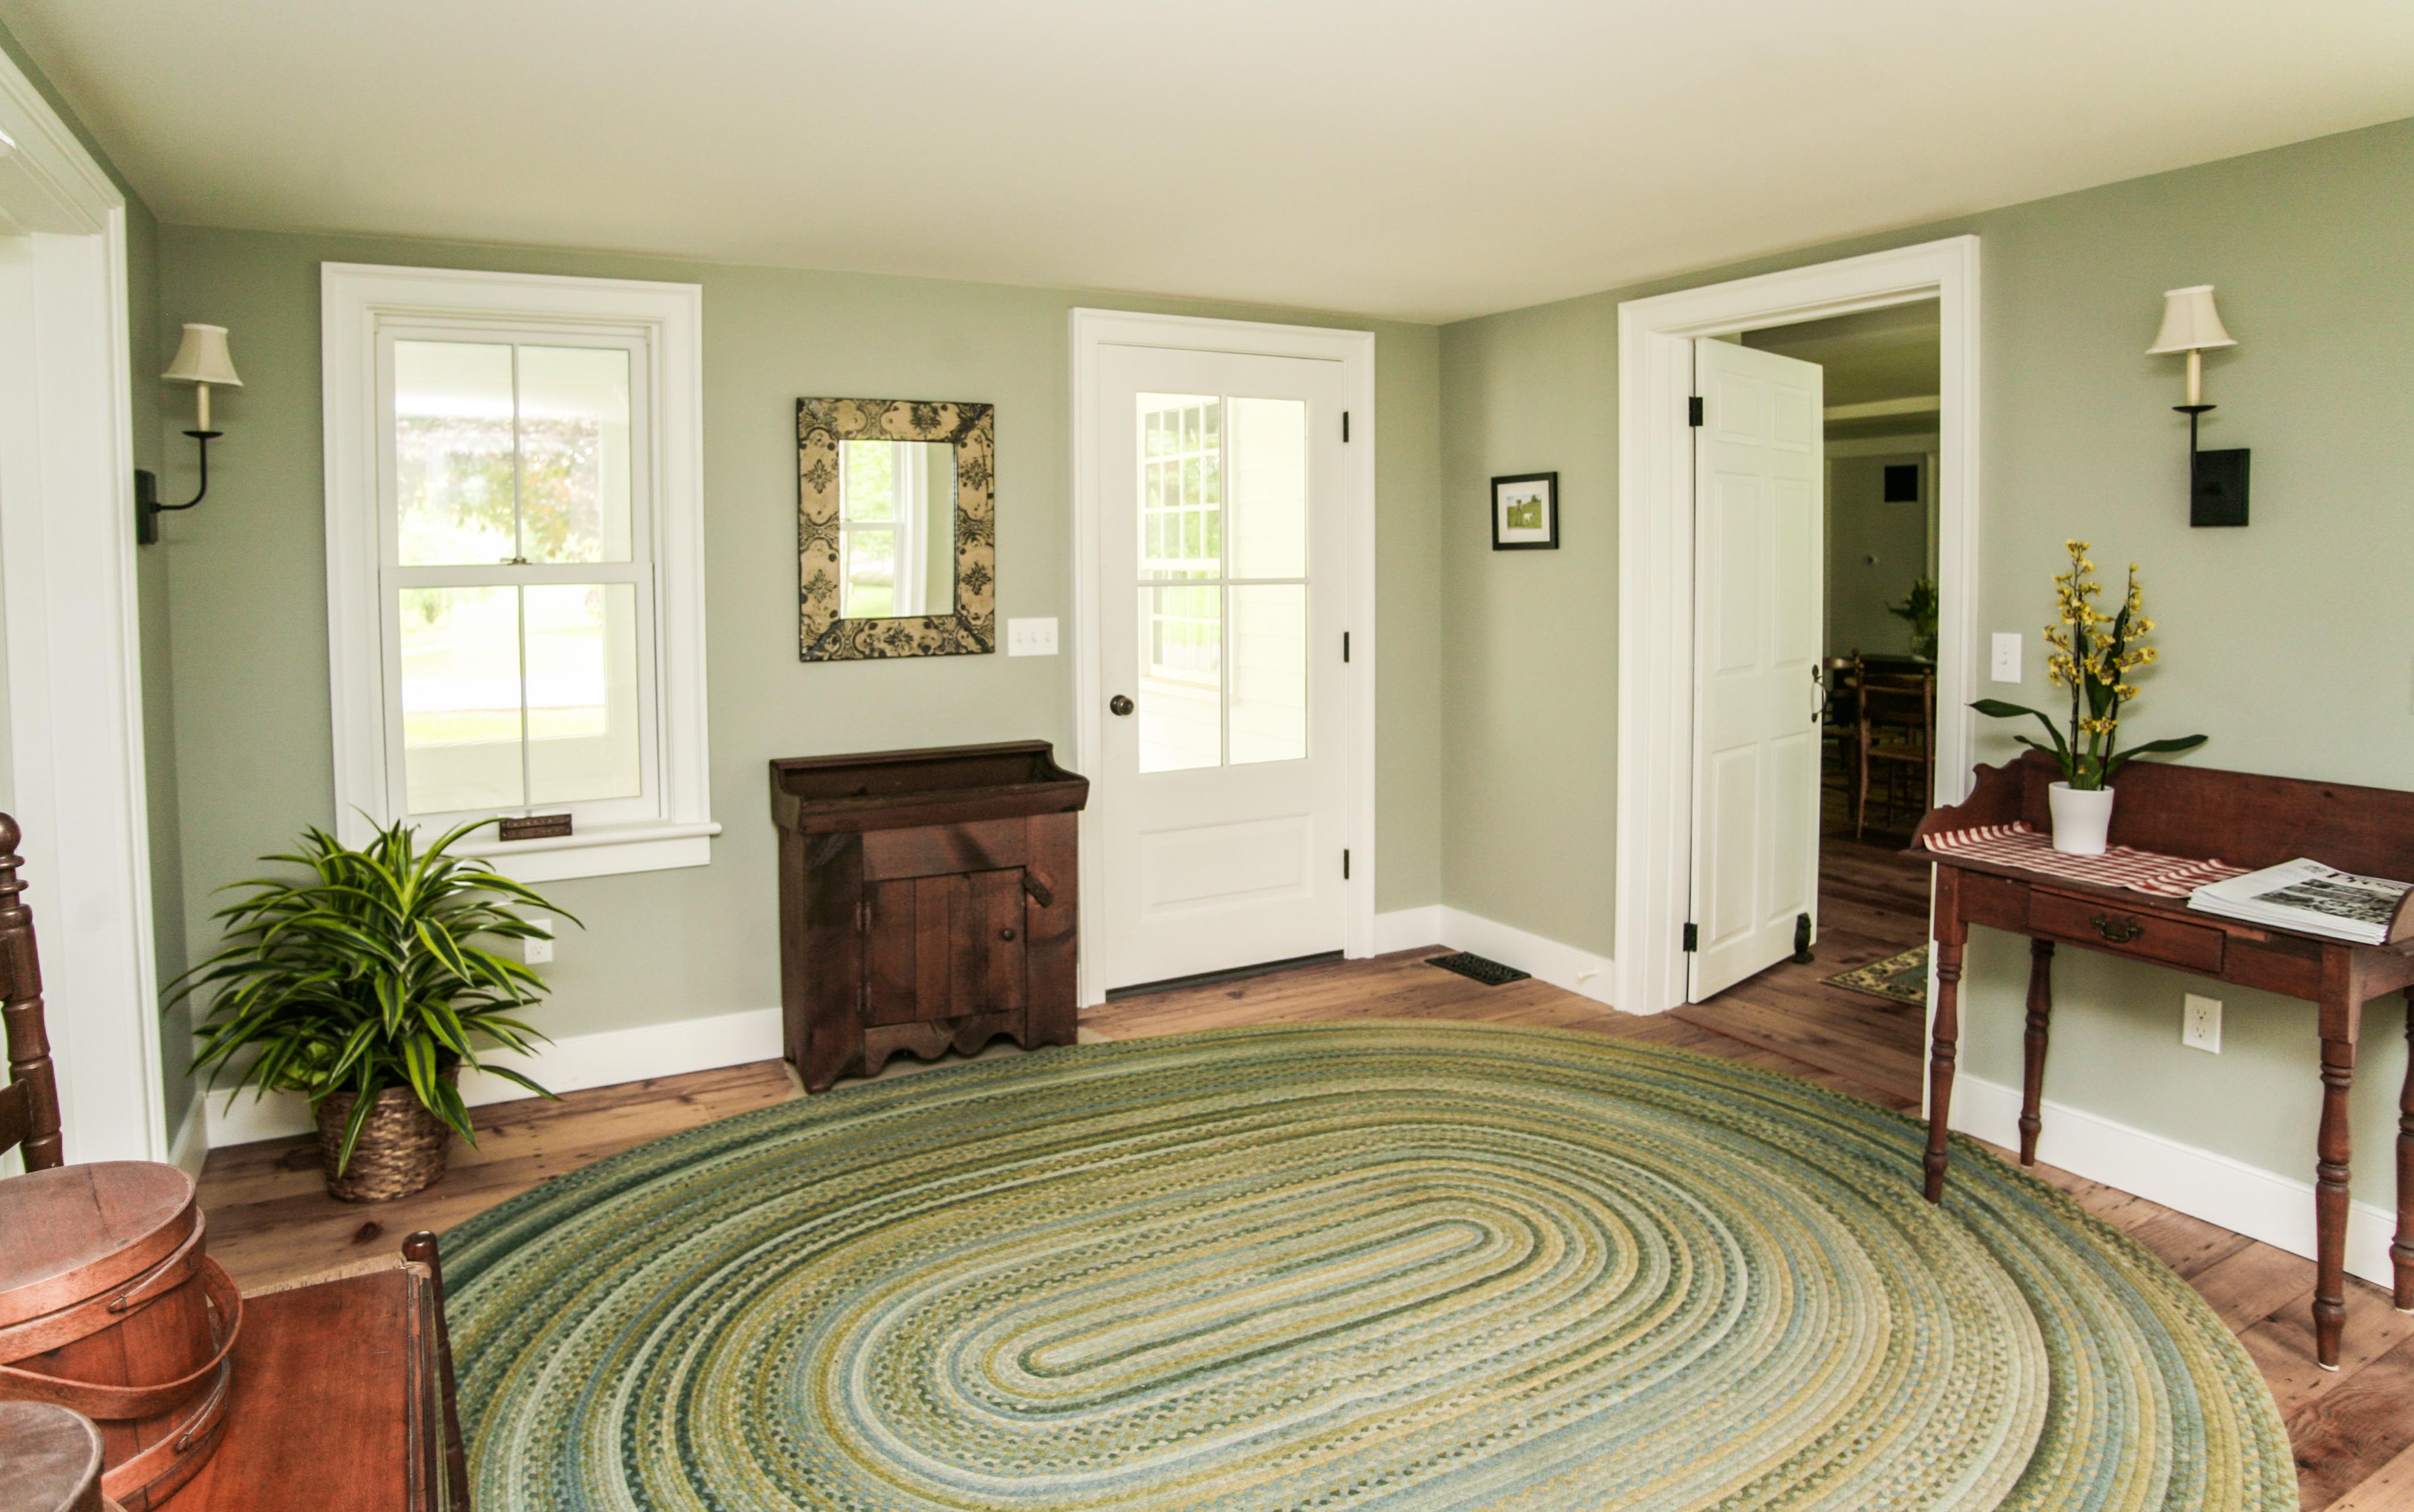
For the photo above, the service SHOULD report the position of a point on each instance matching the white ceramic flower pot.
(2082, 818)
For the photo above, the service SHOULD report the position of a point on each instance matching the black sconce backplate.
(2217, 490)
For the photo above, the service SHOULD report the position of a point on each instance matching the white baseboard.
(189, 1146)
(1562, 966)
(1406, 929)
(2242, 1198)
(570, 1063)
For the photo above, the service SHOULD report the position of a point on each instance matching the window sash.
(640, 571)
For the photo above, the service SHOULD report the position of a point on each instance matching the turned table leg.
(2331, 1197)
(1941, 1055)
(2401, 1253)
(2040, 1019)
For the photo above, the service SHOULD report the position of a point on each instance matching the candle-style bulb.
(201, 403)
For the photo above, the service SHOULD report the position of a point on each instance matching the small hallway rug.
(1898, 979)
(1414, 1266)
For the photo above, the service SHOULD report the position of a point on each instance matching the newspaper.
(2308, 897)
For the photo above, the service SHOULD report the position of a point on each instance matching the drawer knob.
(1006, 934)
(2117, 931)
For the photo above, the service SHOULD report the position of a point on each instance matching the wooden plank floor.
(271, 1220)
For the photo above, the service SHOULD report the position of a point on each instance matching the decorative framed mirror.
(896, 529)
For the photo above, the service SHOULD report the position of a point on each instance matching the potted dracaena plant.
(362, 986)
(2092, 655)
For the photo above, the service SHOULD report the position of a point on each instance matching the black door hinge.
(1693, 411)
(1692, 938)
(1345, 428)
(1345, 645)
(1345, 867)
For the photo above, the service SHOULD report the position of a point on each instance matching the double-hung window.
(514, 573)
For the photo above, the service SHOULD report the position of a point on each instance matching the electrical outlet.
(1031, 637)
(2008, 656)
(2200, 1024)
(533, 952)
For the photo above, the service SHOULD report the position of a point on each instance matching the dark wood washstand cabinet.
(2236, 817)
(926, 900)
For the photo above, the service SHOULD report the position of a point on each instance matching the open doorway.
(1858, 995)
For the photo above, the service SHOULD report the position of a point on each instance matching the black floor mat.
(1476, 968)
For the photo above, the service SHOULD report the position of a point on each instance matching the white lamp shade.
(201, 358)
(2190, 323)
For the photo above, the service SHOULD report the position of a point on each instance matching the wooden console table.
(2236, 817)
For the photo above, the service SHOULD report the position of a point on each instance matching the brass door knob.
(1119, 705)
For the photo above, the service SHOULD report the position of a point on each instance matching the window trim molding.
(354, 297)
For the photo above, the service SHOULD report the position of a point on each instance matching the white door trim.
(1093, 329)
(74, 682)
(1655, 568)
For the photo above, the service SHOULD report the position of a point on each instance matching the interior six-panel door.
(1757, 656)
(1221, 800)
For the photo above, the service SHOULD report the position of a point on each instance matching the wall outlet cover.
(2008, 656)
(2200, 1024)
(1031, 637)
(537, 952)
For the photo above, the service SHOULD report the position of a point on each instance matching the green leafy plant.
(1918, 610)
(2093, 654)
(366, 976)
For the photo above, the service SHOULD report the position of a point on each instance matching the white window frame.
(359, 304)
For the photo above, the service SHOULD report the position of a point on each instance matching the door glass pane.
(574, 458)
(461, 699)
(582, 692)
(1269, 489)
(1181, 485)
(453, 461)
(1269, 672)
(1181, 678)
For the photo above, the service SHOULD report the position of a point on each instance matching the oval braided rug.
(1421, 1268)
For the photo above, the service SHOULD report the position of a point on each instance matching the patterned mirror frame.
(972, 429)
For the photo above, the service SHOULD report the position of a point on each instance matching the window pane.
(1269, 488)
(1269, 670)
(1181, 485)
(582, 692)
(1181, 678)
(453, 451)
(574, 461)
(461, 699)
(867, 485)
(869, 588)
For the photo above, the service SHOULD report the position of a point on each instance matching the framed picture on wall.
(1526, 513)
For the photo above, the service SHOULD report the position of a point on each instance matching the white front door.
(1226, 750)
(1756, 659)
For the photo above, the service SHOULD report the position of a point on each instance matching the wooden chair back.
(29, 1104)
(1898, 725)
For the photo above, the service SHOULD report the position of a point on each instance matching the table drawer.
(2111, 927)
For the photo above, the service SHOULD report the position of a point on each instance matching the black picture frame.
(1521, 536)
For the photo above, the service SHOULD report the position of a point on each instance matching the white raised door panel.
(1757, 554)
(1222, 801)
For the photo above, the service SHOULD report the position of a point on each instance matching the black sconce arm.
(147, 507)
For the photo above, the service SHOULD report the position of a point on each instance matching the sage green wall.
(2286, 642)
(151, 591)
(249, 573)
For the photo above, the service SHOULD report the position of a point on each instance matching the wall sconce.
(202, 360)
(2216, 480)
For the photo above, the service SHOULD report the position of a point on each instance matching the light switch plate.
(1031, 637)
(2200, 1024)
(2008, 656)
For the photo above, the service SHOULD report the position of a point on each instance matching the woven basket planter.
(401, 1149)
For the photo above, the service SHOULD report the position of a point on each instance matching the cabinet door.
(943, 947)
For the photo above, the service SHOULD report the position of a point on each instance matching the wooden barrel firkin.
(110, 1305)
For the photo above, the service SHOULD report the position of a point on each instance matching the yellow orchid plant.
(2093, 655)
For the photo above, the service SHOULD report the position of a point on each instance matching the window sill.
(600, 852)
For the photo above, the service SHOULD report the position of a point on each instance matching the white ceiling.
(1401, 158)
